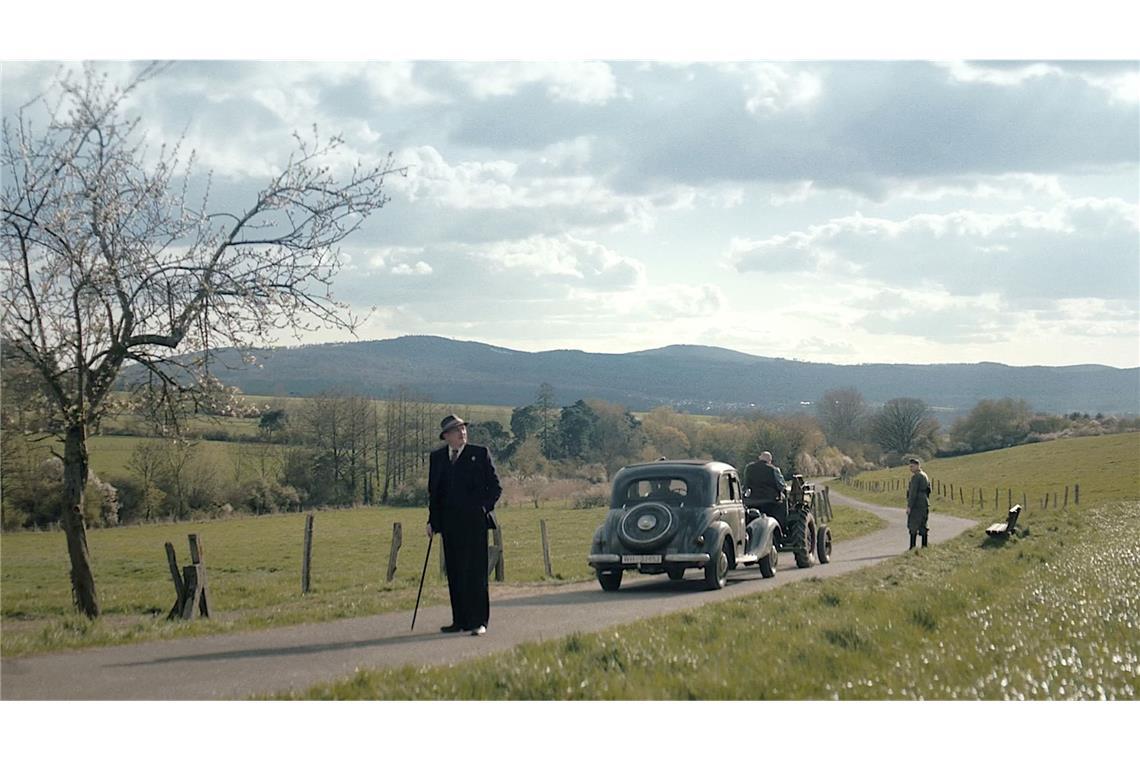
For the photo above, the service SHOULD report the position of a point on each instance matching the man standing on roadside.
(462, 490)
(917, 501)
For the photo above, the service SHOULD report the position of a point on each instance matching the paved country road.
(234, 666)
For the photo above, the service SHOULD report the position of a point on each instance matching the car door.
(731, 507)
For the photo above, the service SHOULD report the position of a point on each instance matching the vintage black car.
(672, 515)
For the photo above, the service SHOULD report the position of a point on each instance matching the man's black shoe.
(453, 628)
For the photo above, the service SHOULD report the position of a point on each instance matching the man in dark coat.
(764, 486)
(917, 502)
(462, 490)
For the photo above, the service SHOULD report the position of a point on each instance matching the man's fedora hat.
(450, 422)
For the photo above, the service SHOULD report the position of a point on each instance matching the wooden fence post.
(1024, 500)
(179, 588)
(307, 556)
(397, 542)
(545, 549)
(199, 593)
(1066, 497)
(190, 585)
(1077, 494)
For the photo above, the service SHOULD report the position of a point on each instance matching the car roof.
(663, 466)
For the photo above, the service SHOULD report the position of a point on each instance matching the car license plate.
(641, 559)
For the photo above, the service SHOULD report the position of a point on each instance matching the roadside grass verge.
(1051, 613)
(1106, 467)
(254, 570)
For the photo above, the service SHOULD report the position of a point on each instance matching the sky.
(880, 181)
(902, 209)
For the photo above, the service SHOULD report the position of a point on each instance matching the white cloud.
(419, 268)
(1085, 247)
(1002, 187)
(502, 185)
(770, 88)
(575, 81)
(579, 263)
(1121, 82)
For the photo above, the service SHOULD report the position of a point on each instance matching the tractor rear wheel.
(823, 545)
(802, 539)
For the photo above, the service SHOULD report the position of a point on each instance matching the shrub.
(409, 495)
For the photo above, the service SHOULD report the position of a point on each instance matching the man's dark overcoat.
(918, 502)
(459, 497)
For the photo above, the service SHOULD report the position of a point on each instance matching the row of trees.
(907, 426)
(900, 428)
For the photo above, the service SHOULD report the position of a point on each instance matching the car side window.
(726, 488)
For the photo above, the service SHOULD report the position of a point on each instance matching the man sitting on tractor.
(764, 487)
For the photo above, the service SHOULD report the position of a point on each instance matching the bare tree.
(905, 426)
(107, 260)
(841, 412)
(548, 412)
(146, 463)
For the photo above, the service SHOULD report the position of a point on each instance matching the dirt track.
(264, 662)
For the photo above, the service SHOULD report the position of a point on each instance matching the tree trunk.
(75, 464)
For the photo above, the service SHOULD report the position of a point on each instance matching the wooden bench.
(1005, 528)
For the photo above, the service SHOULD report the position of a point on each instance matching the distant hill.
(692, 378)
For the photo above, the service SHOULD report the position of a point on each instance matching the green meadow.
(254, 570)
(1050, 613)
(1105, 467)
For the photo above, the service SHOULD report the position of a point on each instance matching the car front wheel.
(768, 563)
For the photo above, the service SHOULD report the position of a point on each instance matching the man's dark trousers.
(465, 555)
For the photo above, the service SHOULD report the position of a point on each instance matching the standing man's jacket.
(917, 505)
(471, 485)
(918, 492)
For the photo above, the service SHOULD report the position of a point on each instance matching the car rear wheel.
(768, 563)
(716, 571)
(610, 580)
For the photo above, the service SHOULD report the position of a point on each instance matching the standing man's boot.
(924, 539)
(912, 537)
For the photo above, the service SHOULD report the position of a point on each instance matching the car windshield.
(671, 490)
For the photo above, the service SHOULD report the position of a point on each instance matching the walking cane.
(422, 576)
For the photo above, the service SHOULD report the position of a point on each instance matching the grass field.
(1052, 613)
(1106, 468)
(254, 566)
